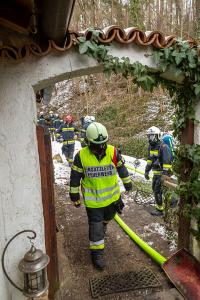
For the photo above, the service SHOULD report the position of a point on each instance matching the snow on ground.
(62, 170)
(161, 231)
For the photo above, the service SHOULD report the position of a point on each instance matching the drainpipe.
(55, 19)
(47, 93)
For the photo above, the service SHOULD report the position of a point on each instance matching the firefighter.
(51, 119)
(95, 168)
(159, 161)
(87, 120)
(56, 124)
(68, 132)
(41, 120)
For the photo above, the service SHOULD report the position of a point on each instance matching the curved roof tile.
(106, 36)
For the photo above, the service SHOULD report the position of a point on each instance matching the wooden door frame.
(47, 188)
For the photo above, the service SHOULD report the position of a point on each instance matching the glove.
(146, 175)
(119, 205)
(128, 186)
(77, 203)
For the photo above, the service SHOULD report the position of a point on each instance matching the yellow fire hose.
(144, 246)
(137, 171)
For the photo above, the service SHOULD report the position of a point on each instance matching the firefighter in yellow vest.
(95, 168)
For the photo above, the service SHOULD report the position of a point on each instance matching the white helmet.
(96, 133)
(87, 119)
(92, 118)
(154, 134)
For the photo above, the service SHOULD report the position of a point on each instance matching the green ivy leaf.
(167, 52)
(197, 89)
(192, 65)
(157, 56)
(82, 39)
(178, 59)
(83, 48)
(163, 66)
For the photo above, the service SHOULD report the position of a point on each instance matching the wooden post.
(184, 222)
(47, 181)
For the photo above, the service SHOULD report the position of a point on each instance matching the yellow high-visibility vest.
(100, 185)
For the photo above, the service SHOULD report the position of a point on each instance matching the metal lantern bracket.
(4, 251)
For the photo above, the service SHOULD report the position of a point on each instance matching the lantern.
(34, 266)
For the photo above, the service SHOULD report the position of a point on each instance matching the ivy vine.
(184, 62)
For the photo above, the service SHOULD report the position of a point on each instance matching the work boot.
(98, 259)
(157, 213)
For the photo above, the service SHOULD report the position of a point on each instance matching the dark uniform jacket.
(41, 121)
(51, 119)
(57, 122)
(67, 131)
(159, 159)
(77, 174)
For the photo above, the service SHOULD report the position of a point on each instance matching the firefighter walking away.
(95, 168)
(68, 131)
(160, 162)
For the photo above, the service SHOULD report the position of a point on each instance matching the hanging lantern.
(34, 266)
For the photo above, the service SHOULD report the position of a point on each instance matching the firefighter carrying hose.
(160, 162)
(95, 168)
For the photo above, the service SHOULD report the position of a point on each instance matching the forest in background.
(172, 17)
(126, 110)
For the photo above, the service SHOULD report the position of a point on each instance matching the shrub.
(136, 148)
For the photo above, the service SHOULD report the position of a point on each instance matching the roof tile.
(106, 36)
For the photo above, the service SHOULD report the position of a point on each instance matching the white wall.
(20, 191)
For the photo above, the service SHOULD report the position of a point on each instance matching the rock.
(58, 158)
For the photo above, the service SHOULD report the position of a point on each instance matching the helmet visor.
(152, 137)
(100, 139)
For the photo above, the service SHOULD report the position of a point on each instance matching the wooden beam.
(47, 181)
(187, 137)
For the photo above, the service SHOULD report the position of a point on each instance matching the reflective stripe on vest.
(167, 167)
(69, 142)
(155, 172)
(100, 185)
(154, 152)
(68, 129)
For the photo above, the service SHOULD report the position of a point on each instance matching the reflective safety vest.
(100, 184)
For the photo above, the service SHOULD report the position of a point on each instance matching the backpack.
(168, 139)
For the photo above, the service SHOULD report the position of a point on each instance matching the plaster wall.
(60, 66)
(20, 191)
